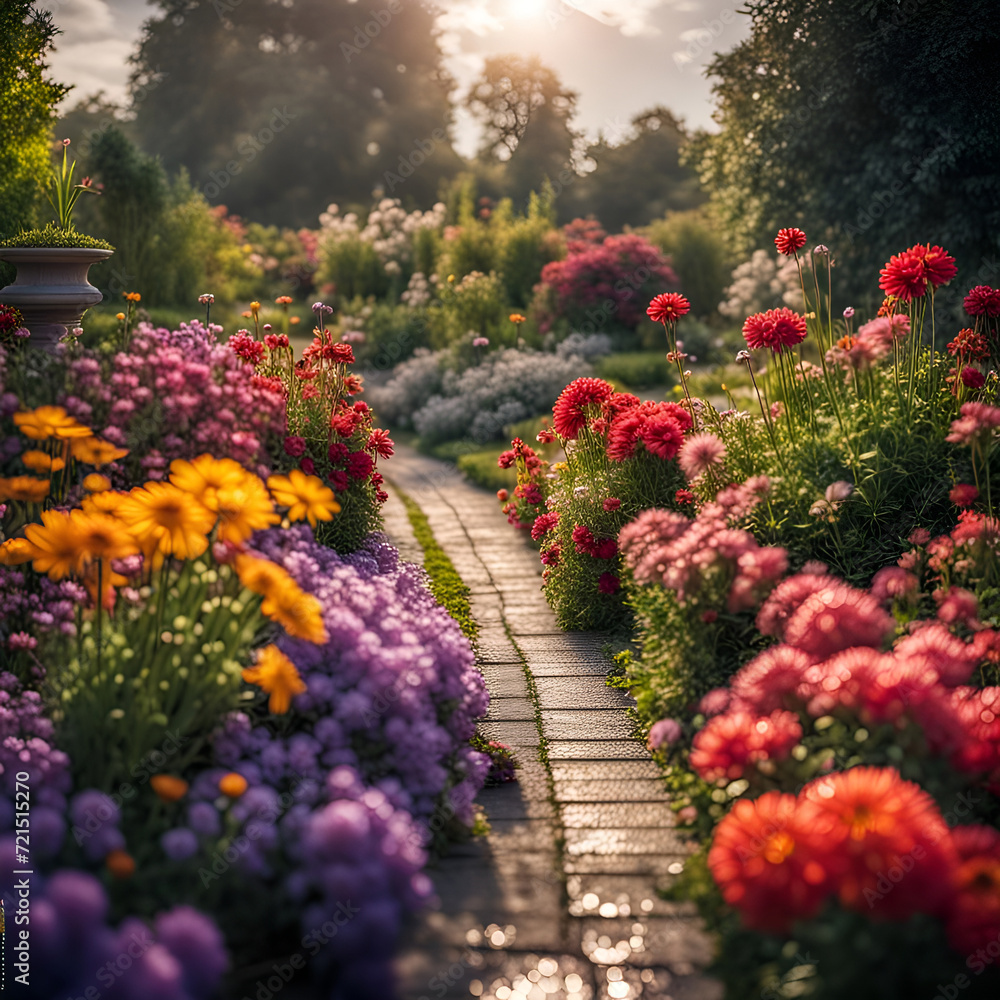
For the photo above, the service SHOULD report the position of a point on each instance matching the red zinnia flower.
(359, 465)
(584, 540)
(608, 583)
(380, 442)
(837, 617)
(570, 408)
(337, 452)
(246, 348)
(885, 825)
(295, 445)
(789, 240)
(544, 523)
(907, 274)
(983, 301)
(973, 378)
(974, 917)
(662, 437)
(971, 344)
(963, 494)
(775, 329)
(611, 504)
(668, 308)
(728, 743)
(763, 859)
(308, 466)
(683, 496)
(338, 480)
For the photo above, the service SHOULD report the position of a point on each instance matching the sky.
(620, 56)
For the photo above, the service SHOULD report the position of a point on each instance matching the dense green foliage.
(52, 236)
(277, 109)
(27, 99)
(874, 124)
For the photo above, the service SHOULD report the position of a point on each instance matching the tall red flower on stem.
(907, 275)
(668, 308)
(775, 329)
(570, 409)
(789, 240)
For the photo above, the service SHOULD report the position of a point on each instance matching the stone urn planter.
(51, 289)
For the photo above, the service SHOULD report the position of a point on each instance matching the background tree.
(526, 116)
(27, 101)
(637, 180)
(872, 124)
(276, 109)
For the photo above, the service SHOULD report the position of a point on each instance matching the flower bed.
(214, 713)
(817, 665)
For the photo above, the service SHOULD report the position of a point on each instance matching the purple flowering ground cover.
(345, 797)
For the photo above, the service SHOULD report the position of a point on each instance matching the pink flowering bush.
(605, 284)
(176, 394)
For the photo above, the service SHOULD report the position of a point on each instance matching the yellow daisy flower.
(40, 461)
(305, 497)
(276, 674)
(56, 544)
(16, 552)
(297, 612)
(243, 509)
(96, 483)
(49, 421)
(175, 520)
(25, 488)
(205, 476)
(93, 451)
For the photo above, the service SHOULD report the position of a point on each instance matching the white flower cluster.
(507, 387)
(418, 291)
(585, 345)
(389, 228)
(762, 283)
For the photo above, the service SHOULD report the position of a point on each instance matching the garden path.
(559, 899)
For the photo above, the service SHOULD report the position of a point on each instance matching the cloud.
(485, 17)
(81, 20)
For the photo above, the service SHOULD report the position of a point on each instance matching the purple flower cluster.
(33, 606)
(75, 953)
(26, 746)
(178, 394)
(394, 693)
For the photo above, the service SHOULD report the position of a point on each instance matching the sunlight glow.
(522, 10)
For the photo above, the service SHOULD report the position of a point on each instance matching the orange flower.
(132, 297)
(102, 502)
(232, 784)
(297, 612)
(40, 461)
(175, 521)
(294, 320)
(764, 859)
(882, 822)
(276, 674)
(244, 508)
(55, 543)
(517, 319)
(49, 421)
(305, 497)
(101, 538)
(96, 483)
(262, 576)
(204, 476)
(119, 316)
(93, 451)
(24, 488)
(168, 787)
(16, 552)
(121, 864)
(283, 300)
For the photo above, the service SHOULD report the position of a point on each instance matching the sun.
(523, 10)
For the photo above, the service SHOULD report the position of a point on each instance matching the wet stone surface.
(559, 900)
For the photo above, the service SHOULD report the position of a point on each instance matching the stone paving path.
(559, 900)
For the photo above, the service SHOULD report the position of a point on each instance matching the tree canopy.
(27, 101)
(872, 124)
(278, 108)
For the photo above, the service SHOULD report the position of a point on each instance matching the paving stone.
(586, 724)
(519, 735)
(597, 750)
(571, 666)
(604, 770)
(651, 866)
(596, 790)
(621, 840)
(611, 814)
(677, 943)
(505, 680)
(607, 895)
(511, 709)
(579, 692)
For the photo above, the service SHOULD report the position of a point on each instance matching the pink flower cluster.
(872, 342)
(177, 394)
(830, 661)
(706, 553)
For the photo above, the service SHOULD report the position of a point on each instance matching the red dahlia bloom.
(380, 442)
(789, 240)
(974, 914)
(668, 308)
(359, 465)
(884, 825)
(295, 445)
(662, 436)
(728, 743)
(963, 494)
(246, 348)
(583, 538)
(608, 583)
(908, 274)
(544, 523)
(763, 859)
(775, 329)
(971, 344)
(983, 301)
(570, 408)
(973, 378)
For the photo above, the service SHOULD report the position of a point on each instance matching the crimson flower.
(775, 329)
(907, 274)
(789, 240)
(983, 301)
(569, 411)
(668, 308)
